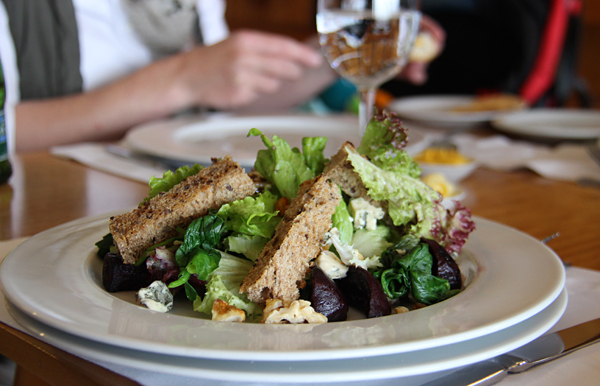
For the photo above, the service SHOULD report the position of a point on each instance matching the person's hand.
(238, 70)
(416, 70)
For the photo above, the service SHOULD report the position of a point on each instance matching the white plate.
(346, 370)
(434, 111)
(196, 141)
(55, 277)
(559, 124)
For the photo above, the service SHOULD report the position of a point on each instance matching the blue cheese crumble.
(364, 214)
(156, 297)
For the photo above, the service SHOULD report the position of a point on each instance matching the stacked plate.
(514, 293)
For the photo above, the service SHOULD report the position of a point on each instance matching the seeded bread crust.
(157, 219)
(285, 260)
(341, 171)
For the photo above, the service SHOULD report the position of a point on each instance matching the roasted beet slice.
(199, 285)
(444, 265)
(117, 276)
(326, 297)
(364, 292)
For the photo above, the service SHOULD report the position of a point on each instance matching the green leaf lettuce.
(383, 143)
(281, 165)
(255, 216)
(169, 179)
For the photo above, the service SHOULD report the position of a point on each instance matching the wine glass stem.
(365, 109)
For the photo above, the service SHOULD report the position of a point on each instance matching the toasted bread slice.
(157, 219)
(341, 171)
(284, 262)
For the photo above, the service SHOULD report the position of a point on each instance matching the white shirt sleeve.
(109, 48)
(11, 77)
(212, 21)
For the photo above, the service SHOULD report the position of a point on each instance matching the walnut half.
(279, 311)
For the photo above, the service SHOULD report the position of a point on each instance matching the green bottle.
(5, 168)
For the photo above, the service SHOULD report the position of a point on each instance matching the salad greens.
(383, 143)
(249, 246)
(216, 289)
(244, 226)
(411, 273)
(105, 245)
(170, 179)
(198, 255)
(220, 248)
(372, 242)
(343, 222)
(254, 216)
(411, 203)
(391, 176)
(312, 150)
(284, 167)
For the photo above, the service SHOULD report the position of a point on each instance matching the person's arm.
(230, 74)
(101, 114)
(294, 93)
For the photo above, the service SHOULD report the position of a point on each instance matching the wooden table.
(46, 191)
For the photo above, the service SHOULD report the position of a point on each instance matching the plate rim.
(526, 331)
(406, 109)
(506, 124)
(30, 307)
(158, 138)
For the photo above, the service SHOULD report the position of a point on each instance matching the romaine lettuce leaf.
(249, 246)
(170, 179)
(350, 255)
(371, 243)
(312, 149)
(255, 216)
(342, 221)
(281, 165)
(216, 289)
(232, 270)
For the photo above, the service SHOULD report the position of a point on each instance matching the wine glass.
(367, 42)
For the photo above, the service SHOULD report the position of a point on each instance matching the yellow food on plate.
(442, 155)
(425, 48)
(439, 183)
(494, 102)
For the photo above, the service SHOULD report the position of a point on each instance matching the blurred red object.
(543, 74)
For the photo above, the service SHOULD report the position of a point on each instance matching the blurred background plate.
(197, 139)
(552, 124)
(439, 111)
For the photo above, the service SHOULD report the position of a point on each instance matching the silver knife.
(543, 349)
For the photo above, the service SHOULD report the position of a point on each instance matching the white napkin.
(567, 162)
(95, 156)
(579, 368)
